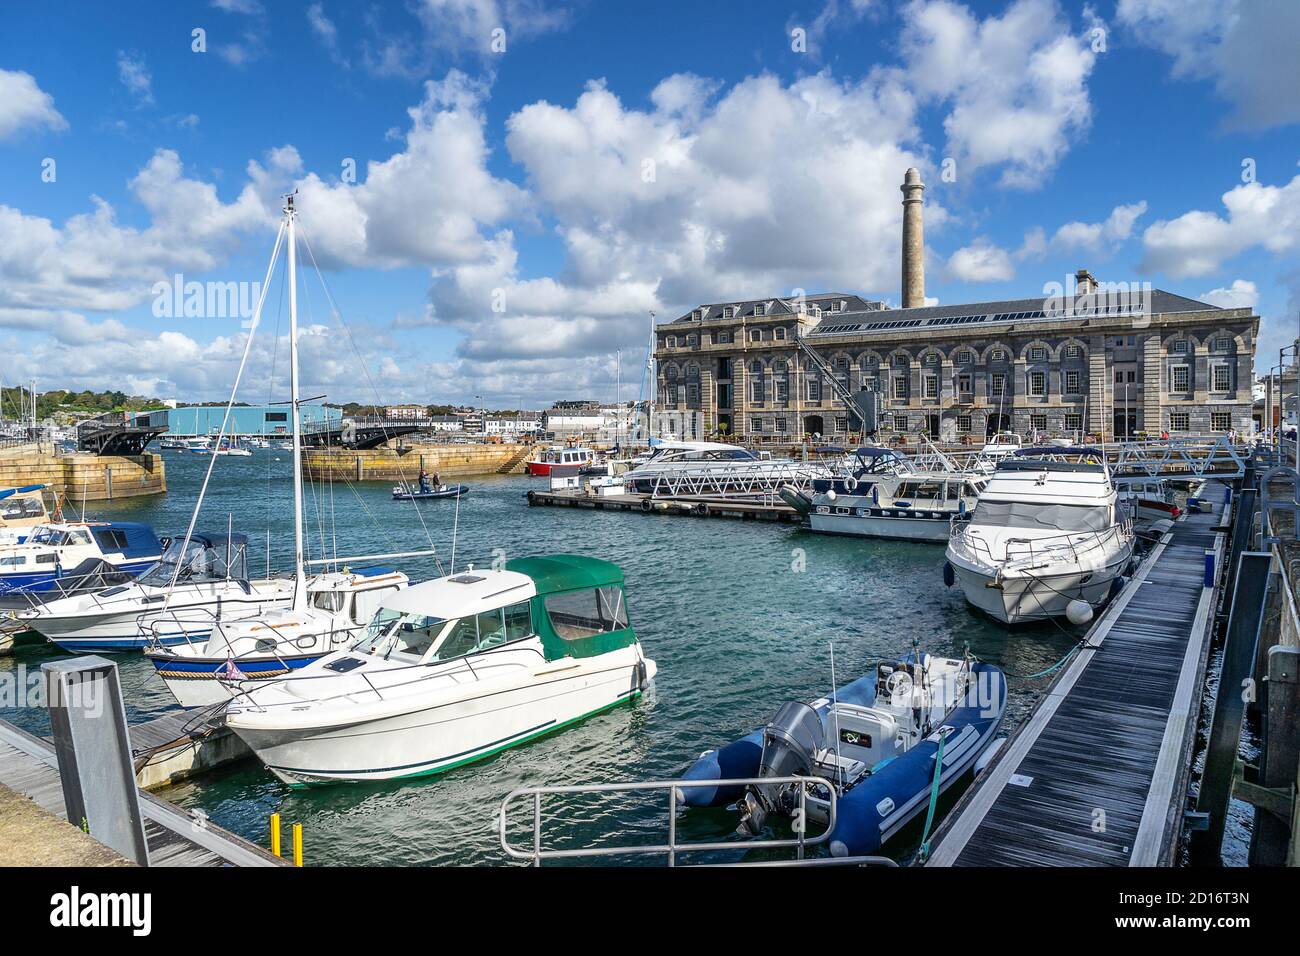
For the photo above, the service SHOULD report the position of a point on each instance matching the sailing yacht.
(1047, 538)
(451, 671)
(325, 612)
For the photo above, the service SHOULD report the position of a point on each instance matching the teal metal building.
(199, 420)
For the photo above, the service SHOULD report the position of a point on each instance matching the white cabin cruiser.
(21, 509)
(1146, 501)
(883, 496)
(451, 671)
(1000, 446)
(211, 587)
(1047, 538)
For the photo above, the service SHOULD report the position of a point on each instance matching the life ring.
(646, 506)
(702, 510)
(850, 484)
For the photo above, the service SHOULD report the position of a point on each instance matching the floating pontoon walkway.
(29, 766)
(1097, 776)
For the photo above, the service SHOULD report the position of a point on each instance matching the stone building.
(1094, 359)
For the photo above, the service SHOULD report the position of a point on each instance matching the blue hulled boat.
(58, 549)
(874, 740)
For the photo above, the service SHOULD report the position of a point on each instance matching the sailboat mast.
(299, 573)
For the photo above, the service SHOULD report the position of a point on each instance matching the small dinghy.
(403, 493)
(874, 740)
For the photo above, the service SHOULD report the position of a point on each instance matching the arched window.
(755, 335)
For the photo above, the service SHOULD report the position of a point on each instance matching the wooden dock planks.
(28, 765)
(1094, 776)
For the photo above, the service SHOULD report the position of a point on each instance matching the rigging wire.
(360, 361)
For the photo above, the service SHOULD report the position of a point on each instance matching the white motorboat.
(1047, 538)
(884, 496)
(451, 671)
(1146, 501)
(1000, 446)
(211, 587)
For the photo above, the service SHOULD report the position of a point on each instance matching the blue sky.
(516, 213)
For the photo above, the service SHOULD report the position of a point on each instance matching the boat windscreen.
(1041, 517)
(199, 561)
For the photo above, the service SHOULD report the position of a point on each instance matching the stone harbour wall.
(77, 477)
(405, 463)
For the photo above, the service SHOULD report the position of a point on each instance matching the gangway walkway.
(1096, 775)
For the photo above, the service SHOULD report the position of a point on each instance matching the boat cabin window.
(199, 561)
(1047, 517)
(332, 601)
(925, 490)
(578, 614)
(408, 636)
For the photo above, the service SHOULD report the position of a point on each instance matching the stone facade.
(959, 372)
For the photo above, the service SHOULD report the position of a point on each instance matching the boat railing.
(536, 853)
(423, 672)
(148, 623)
(1071, 545)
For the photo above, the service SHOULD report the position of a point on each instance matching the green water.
(739, 617)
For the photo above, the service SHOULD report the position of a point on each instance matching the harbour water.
(739, 616)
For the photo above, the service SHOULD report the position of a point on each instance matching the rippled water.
(739, 617)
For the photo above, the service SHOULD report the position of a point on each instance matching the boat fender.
(838, 848)
(532, 497)
(1117, 585)
(1078, 612)
(646, 506)
(702, 510)
(949, 575)
(639, 676)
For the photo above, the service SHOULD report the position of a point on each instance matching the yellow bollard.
(275, 833)
(297, 844)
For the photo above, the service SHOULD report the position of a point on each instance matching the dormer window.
(844, 305)
(698, 315)
(760, 309)
(728, 312)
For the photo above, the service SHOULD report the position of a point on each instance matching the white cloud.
(246, 7)
(981, 261)
(323, 27)
(1016, 85)
(135, 76)
(424, 205)
(458, 30)
(94, 262)
(1249, 50)
(1197, 243)
(23, 104)
(1100, 236)
(1242, 294)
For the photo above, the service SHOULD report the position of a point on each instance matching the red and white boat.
(559, 455)
(1146, 500)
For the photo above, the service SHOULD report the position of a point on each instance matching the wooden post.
(358, 467)
(1278, 763)
(108, 482)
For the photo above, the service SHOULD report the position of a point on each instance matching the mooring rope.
(923, 853)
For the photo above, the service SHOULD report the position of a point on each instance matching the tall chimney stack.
(913, 241)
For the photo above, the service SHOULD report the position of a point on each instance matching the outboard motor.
(790, 740)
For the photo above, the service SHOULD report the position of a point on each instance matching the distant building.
(445, 423)
(406, 412)
(565, 423)
(512, 427)
(199, 420)
(1117, 359)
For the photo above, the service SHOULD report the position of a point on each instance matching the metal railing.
(1026, 552)
(673, 847)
